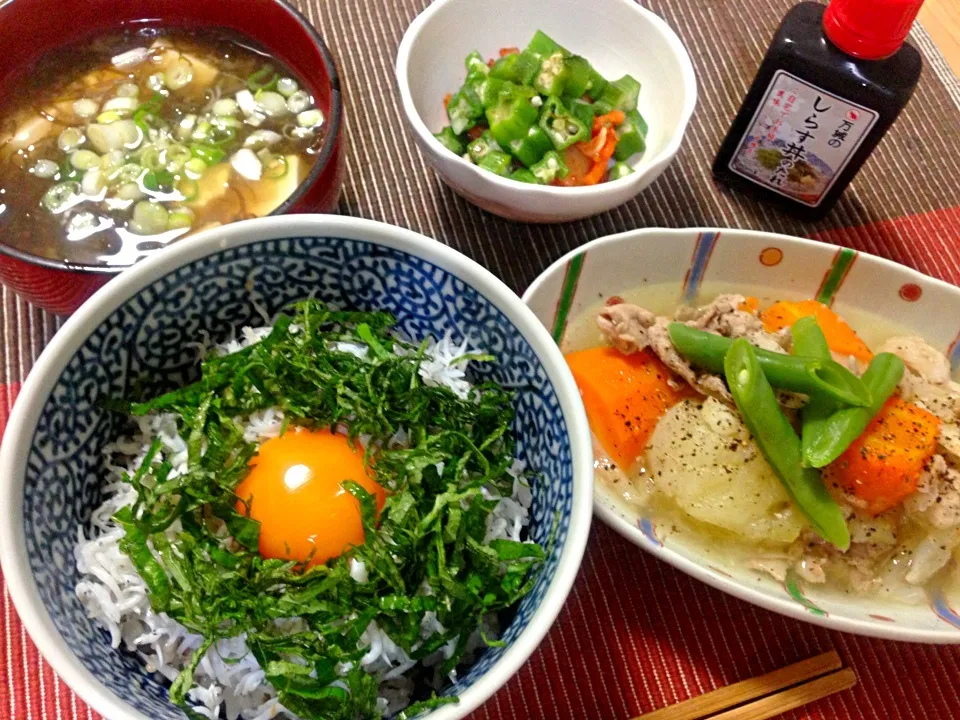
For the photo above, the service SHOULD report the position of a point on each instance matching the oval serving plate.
(786, 267)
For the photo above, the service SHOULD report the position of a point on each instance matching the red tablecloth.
(635, 634)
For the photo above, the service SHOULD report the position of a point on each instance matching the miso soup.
(127, 142)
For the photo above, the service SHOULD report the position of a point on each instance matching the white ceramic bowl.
(141, 326)
(616, 36)
(788, 268)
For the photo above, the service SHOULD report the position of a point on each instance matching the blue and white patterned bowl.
(138, 328)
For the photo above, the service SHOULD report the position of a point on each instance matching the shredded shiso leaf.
(425, 552)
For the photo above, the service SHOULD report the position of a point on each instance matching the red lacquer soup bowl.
(30, 28)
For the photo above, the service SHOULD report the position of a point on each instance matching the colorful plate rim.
(790, 605)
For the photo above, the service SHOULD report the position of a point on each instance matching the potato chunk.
(703, 457)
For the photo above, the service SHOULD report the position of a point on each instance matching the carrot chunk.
(594, 146)
(840, 336)
(578, 166)
(599, 168)
(884, 464)
(750, 304)
(625, 396)
(612, 118)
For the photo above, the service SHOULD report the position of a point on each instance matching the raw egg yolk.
(294, 490)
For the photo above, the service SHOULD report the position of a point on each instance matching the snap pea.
(830, 435)
(785, 372)
(779, 443)
(809, 341)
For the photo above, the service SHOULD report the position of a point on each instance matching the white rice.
(229, 682)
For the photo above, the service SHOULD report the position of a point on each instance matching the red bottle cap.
(869, 29)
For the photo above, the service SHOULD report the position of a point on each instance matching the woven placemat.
(635, 634)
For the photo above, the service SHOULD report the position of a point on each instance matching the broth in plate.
(120, 145)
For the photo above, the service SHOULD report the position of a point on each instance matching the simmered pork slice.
(626, 326)
(725, 316)
(926, 361)
(937, 495)
(631, 329)
(927, 382)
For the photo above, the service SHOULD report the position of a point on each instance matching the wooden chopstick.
(794, 697)
(744, 691)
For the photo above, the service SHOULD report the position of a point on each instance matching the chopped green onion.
(146, 114)
(287, 86)
(176, 157)
(93, 181)
(292, 132)
(202, 130)
(194, 167)
(85, 108)
(299, 101)
(82, 225)
(61, 196)
(185, 127)
(248, 106)
(227, 122)
(155, 103)
(225, 106)
(149, 218)
(209, 154)
(188, 188)
(158, 180)
(180, 218)
(111, 116)
(310, 118)
(128, 90)
(179, 74)
(265, 78)
(128, 173)
(84, 159)
(112, 159)
(156, 82)
(262, 138)
(130, 57)
(68, 171)
(144, 119)
(247, 164)
(150, 157)
(273, 104)
(114, 136)
(121, 104)
(70, 139)
(129, 191)
(45, 169)
(274, 166)
(256, 119)
(221, 137)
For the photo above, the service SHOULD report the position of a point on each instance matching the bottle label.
(800, 139)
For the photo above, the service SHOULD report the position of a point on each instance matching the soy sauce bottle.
(833, 81)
